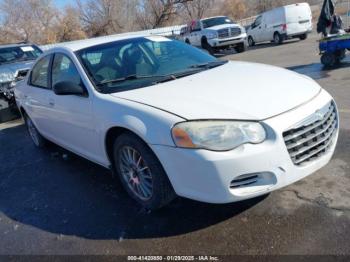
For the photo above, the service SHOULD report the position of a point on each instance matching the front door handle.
(51, 102)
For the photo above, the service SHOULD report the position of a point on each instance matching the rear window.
(19, 53)
(297, 13)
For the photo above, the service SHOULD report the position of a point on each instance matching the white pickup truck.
(215, 33)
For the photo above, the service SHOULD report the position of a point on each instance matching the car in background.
(171, 120)
(280, 24)
(15, 61)
(214, 34)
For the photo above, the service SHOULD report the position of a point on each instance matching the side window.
(39, 76)
(64, 70)
(258, 21)
(197, 26)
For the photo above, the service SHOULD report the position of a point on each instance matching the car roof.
(86, 43)
(15, 45)
(203, 19)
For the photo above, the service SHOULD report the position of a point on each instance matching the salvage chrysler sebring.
(171, 120)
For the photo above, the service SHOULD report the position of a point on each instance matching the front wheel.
(36, 137)
(251, 41)
(208, 47)
(241, 48)
(277, 38)
(328, 59)
(141, 173)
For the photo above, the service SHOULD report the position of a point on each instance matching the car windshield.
(19, 53)
(216, 21)
(140, 62)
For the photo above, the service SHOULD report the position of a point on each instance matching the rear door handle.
(51, 102)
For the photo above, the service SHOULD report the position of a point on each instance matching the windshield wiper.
(123, 79)
(189, 71)
(209, 65)
(162, 78)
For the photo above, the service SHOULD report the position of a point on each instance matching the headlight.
(212, 35)
(217, 135)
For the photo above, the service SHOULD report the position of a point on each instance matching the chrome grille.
(229, 32)
(223, 33)
(312, 140)
(235, 31)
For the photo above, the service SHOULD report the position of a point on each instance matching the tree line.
(41, 22)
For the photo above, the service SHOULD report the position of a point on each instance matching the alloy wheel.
(136, 173)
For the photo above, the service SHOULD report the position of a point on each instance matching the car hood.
(8, 72)
(218, 27)
(236, 90)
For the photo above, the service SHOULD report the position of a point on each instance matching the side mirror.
(69, 88)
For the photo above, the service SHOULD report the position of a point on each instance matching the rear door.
(299, 19)
(71, 116)
(37, 96)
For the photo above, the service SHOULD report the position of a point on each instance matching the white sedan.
(173, 120)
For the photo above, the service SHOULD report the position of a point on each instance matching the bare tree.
(69, 27)
(236, 9)
(103, 17)
(155, 13)
(29, 20)
(264, 5)
(197, 9)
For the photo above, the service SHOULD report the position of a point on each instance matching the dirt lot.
(52, 202)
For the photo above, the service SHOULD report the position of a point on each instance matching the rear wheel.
(187, 42)
(36, 137)
(303, 37)
(328, 59)
(251, 41)
(340, 55)
(141, 173)
(277, 38)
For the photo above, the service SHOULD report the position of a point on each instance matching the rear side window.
(40, 73)
(63, 70)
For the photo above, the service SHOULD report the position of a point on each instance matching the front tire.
(277, 38)
(328, 59)
(141, 173)
(206, 46)
(251, 41)
(241, 48)
(37, 138)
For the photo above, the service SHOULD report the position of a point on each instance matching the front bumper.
(207, 176)
(224, 42)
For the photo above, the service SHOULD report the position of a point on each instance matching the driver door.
(195, 34)
(256, 31)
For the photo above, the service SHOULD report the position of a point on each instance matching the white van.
(282, 23)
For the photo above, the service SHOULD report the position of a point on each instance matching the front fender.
(150, 124)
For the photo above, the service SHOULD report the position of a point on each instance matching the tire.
(141, 173)
(340, 55)
(277, 38)
(38, 140)
(206, 46)
(328, 59)
(251, 41)
(241, 48)
(187, 42)
(303, 37)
